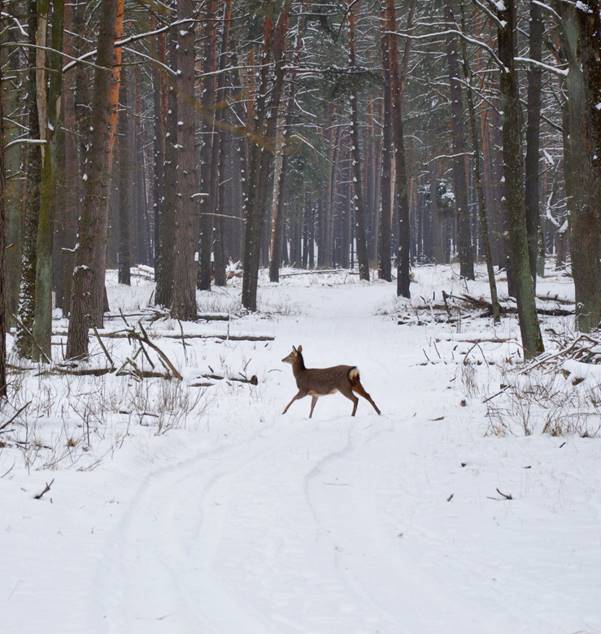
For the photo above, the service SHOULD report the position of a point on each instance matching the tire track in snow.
(156, 544)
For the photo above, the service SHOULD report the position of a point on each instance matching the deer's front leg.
(298, 395)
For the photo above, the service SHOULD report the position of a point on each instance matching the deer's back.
(321, 381)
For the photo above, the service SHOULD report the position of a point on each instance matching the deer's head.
(295, 355)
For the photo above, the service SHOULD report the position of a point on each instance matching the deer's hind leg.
(357, 387)
(348, 392)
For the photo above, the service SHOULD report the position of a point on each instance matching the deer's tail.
(354, 377)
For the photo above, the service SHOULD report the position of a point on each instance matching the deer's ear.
(299, 349)
(293, 349)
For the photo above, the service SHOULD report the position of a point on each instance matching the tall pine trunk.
(401, 196)
(87, 296)
(262, 145)
(3, 320)
(532, 186)
(208, 168)
(183, 300)
(514, 179)
(42, 328)
(125, 189)
(358, 199)
(464, 237)
(385, 224)
(31, 199)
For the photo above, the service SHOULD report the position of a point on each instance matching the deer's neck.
(298, 367)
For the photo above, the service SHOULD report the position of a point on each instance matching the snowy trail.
(275, 524)
(205, 545)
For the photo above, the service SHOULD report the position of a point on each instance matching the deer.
(316, 382)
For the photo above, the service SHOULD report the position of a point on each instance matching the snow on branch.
(457, 32)
(561, 72)
(127, 40)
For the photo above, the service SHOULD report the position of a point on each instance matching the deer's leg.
(313, 403)
(298, 395)
(348, 392)
(357, 387)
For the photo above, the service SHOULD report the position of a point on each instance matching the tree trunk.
(533, 135)
(42, 327)
(183, 301)
(94, 214)
(281, 168)
(464, 237)
(125, 198)
(218, 151)
(169, 115)
(208, 168)
(262, 145)
(514, 175)
(384, 226)
(482, 211)
(31, 202)
(358, 200)
(2, 243)
(402, 199)
(582, 181)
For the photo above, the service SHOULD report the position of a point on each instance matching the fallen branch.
(162, 356)
(101, 344)
(253, 380)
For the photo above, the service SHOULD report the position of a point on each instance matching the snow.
(236, 519)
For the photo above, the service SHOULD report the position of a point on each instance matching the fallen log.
(555, 298)
(153, 315)
(125, 334)
(57, 370)
(319, 272)
(480, 340)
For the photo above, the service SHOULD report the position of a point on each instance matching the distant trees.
(295, 133)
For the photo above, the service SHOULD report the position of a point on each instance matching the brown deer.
(323, 381)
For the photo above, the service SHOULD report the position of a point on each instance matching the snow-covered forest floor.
(180, 509)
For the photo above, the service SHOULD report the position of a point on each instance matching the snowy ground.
(222, 516)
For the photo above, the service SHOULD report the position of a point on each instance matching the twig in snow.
(47, 488)
(17, 413)
(504, 496)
